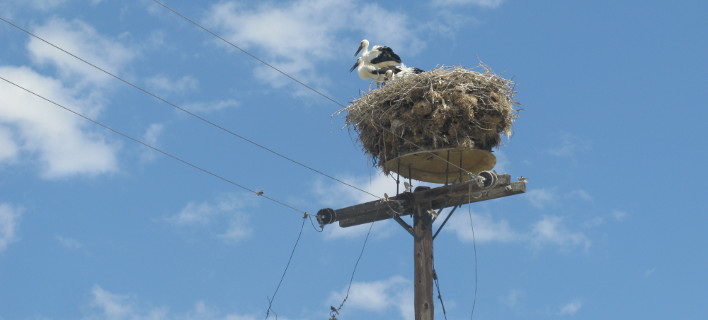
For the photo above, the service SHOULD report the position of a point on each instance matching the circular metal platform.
(441, 165)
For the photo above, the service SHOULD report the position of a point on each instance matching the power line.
(244, 51)
(177, 13)
(474, 246)
(259, 193)
(292, 253)
(187, 111)
(306, 215)
(437, 286)
(211, 173)
(335, 311)
(320, 229)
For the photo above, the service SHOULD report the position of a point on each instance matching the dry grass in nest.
(446, 107)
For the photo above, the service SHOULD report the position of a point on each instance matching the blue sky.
(96, 226)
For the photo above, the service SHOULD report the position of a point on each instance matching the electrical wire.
(351, 279)
(182, 109)
(474, 246)
(437, 286)
(292, 253)
(258, 193)
(334, 310)
(320, 229)
(177, 13)
(209, 121)
(211, 173)
(270, 300)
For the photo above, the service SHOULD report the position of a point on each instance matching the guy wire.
(351, 280)
(292, 253)
(474, 246)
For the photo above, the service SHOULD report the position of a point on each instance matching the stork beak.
(354, 66)
(361, 46)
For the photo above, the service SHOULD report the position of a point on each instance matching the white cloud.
(550, 230)
(69, 243)
(376, 185)
(106, 305)
(152, 133)
(485, 228)
(8, 147)
(380, 229)
(540, 198)
(347, 196)
(9, 223)
(569, 145)
(481, 3)
(224, 210)
(165, 85)
(46, 4)
(31, 126)
(37, 4)
(547, 231)
(503, 164)
(156, 40)
(446, 23)
(112, 306)
(379, 296)
(580, 194)
(213, 106)
(82, 40)
(151, 136)
(513, 298)
(595, 222)
(58, 137)
(570, 308)
(302, 35)
(237, 230)
(619, 215)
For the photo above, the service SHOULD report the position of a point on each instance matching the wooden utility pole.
(423, 258)
(421, 205)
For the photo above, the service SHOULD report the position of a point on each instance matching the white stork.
(369, 71)
(379, 56)
(400, 71)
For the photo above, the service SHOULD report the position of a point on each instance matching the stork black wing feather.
(385, 69)
(387, 54)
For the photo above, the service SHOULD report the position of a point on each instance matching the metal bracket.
(393, 214)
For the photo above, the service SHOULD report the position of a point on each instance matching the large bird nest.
(447, 107)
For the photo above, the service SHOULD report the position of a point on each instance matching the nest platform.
(444, 109)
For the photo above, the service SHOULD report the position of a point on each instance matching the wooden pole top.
(404, 203)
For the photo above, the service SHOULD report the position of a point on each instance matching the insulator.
(326, 216)
(489, 179)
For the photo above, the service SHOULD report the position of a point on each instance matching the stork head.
(358, 62)
(364, 45)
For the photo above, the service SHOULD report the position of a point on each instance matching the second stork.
(379, 56)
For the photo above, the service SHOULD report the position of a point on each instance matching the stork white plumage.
(381, 75)
(379, 56)
(401, 71)
(368, 71)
